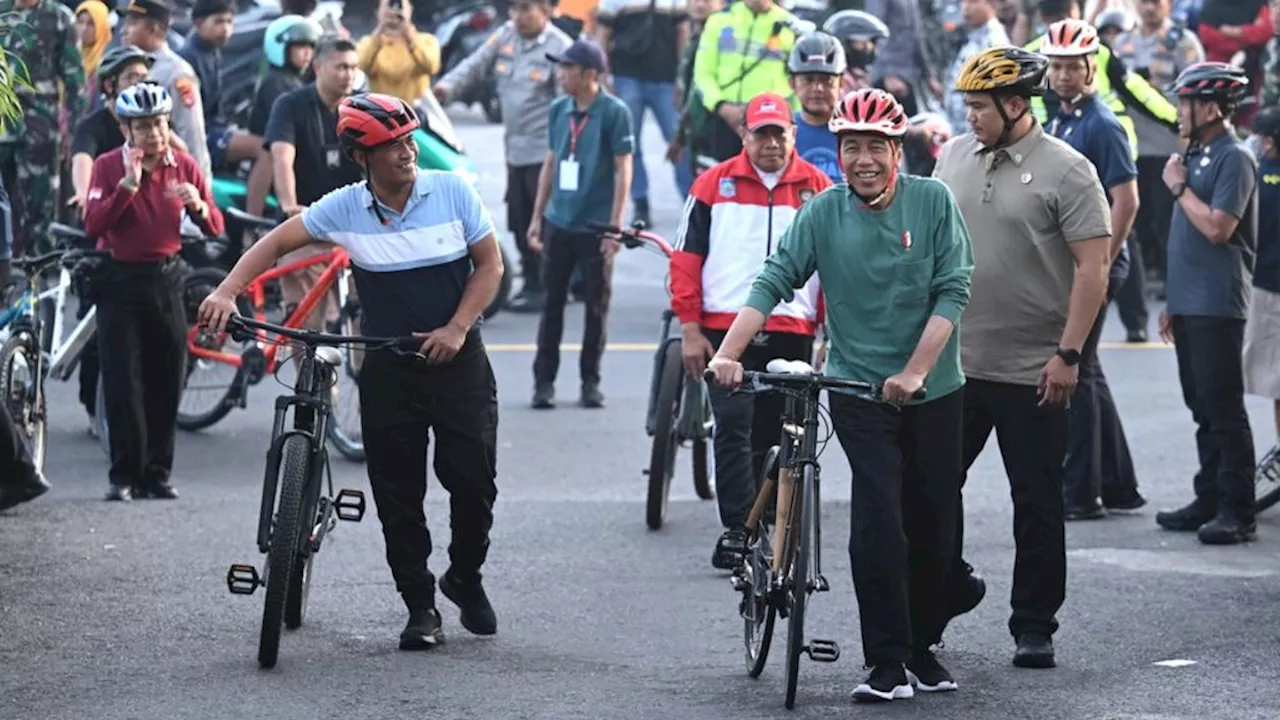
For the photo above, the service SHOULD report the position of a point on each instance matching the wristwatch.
(1070, 357)
(1178, 189)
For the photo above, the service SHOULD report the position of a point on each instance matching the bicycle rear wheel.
(21, 392)
(206, 395)
(758, 611)
(345, 431)
(703, 460)
(285, 533)
(806, 535)
(100, 424)
(662, 456)
(1267, 481)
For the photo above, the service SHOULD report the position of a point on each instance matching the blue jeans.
(684, 173)
(658, 97)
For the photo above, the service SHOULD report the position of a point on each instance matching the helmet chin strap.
(1003, 140)
(874, 204)
(1195, 135)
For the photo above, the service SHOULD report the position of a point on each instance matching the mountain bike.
(679, 408)
(209, 353)
(783, 563)
(35, 349)
(1266, 481)
(299, 507)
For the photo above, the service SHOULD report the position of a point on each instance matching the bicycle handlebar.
(766, 381)
(633, 238)
(65, 255)
(239, 327)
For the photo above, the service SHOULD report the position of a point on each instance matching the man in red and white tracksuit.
(735, 215)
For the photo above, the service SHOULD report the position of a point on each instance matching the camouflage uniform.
(44, 37)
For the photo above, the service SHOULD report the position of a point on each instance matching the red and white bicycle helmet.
(870, 110)
(1070, 38)
(369, 120)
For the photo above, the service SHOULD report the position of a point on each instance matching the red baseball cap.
(768, 109)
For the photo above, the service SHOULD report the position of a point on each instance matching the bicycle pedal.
(820, 584)
(350, 505)
(243, 579)
(740, 581)
(826, 651)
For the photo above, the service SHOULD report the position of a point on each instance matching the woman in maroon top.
(135, 205)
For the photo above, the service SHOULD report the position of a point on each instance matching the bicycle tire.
(295, 604)
(100, 424)
(662, 455)
(760, 559)
(26, 405)
(348, 323)
(799, 581)
(703, 462)
(295, 458)
(195, 288)
(1267, 481)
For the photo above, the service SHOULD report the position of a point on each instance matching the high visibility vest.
(742, 54)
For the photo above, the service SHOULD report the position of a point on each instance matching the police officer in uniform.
(517, 54)
(146, 25)
(42, 35)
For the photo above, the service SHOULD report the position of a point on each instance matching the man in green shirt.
(894, 258)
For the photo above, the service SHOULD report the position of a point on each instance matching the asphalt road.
(121, 611)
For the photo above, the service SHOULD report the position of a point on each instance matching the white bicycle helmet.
(146, 99)
(1070, 38)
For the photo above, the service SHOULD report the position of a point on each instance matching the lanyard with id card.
(569, 168)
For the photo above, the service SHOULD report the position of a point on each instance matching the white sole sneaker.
(866, 693)
(944, 686)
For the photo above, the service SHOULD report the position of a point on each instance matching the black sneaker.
(731, 548)
(544, 396)
(1127, 503)
(477, 614)
(14, 495)
(927, 674)
(423, 630)
(591, 396)
(1226, 530)
(968, 592)
(885, 683)
(1185, 519)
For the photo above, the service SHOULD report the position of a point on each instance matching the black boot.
(423, 629)
(1185, 519)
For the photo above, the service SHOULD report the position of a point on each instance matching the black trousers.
(401, 400)
(522, 193)
(562, 252)
(1131, 296)
(142, 338)
(1155, 212)
(1098, 462)
(16, 465)
(906, 482)
(1210, 368)
(1033, 444)
(747, 424)
(90, 367)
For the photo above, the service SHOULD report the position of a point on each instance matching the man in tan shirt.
(399, 60)
(1041, 232)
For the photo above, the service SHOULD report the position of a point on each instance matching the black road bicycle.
(783, 562)
(679, 410)
(299, 507)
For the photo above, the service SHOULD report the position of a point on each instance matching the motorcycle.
(461, 30)
(439, 148)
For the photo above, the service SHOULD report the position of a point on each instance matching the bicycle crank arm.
(243, 579)
(825, 651)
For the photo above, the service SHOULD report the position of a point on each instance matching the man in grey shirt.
(146, 25)
(517, 55)
(1213, 242)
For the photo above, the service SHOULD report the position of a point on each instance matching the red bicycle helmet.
(1070, 38)
(369, 120)
(870, 110)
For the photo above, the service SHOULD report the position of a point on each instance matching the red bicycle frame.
(335, 260)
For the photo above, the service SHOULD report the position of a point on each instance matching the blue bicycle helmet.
(146, 99)
(285, 31)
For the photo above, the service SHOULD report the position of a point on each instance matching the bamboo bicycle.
(782, 566)
(254, 360)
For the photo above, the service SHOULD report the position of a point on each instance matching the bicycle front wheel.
(22, 394)
(662, 456)
(804, 518)
(286, 532)
(1267, 481)
(209, 383)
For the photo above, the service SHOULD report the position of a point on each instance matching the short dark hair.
(1057, 8)
(329, 46)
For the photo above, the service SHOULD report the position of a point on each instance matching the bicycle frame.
(799, 448)
(59, 356)
(336, 262)
(310, 404)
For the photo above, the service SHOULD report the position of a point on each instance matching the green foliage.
(13, 75)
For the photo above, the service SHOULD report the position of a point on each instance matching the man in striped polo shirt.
(426, 263)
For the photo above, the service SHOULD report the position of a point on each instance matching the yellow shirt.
(396, 68)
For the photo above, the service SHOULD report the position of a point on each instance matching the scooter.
(461, 31)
